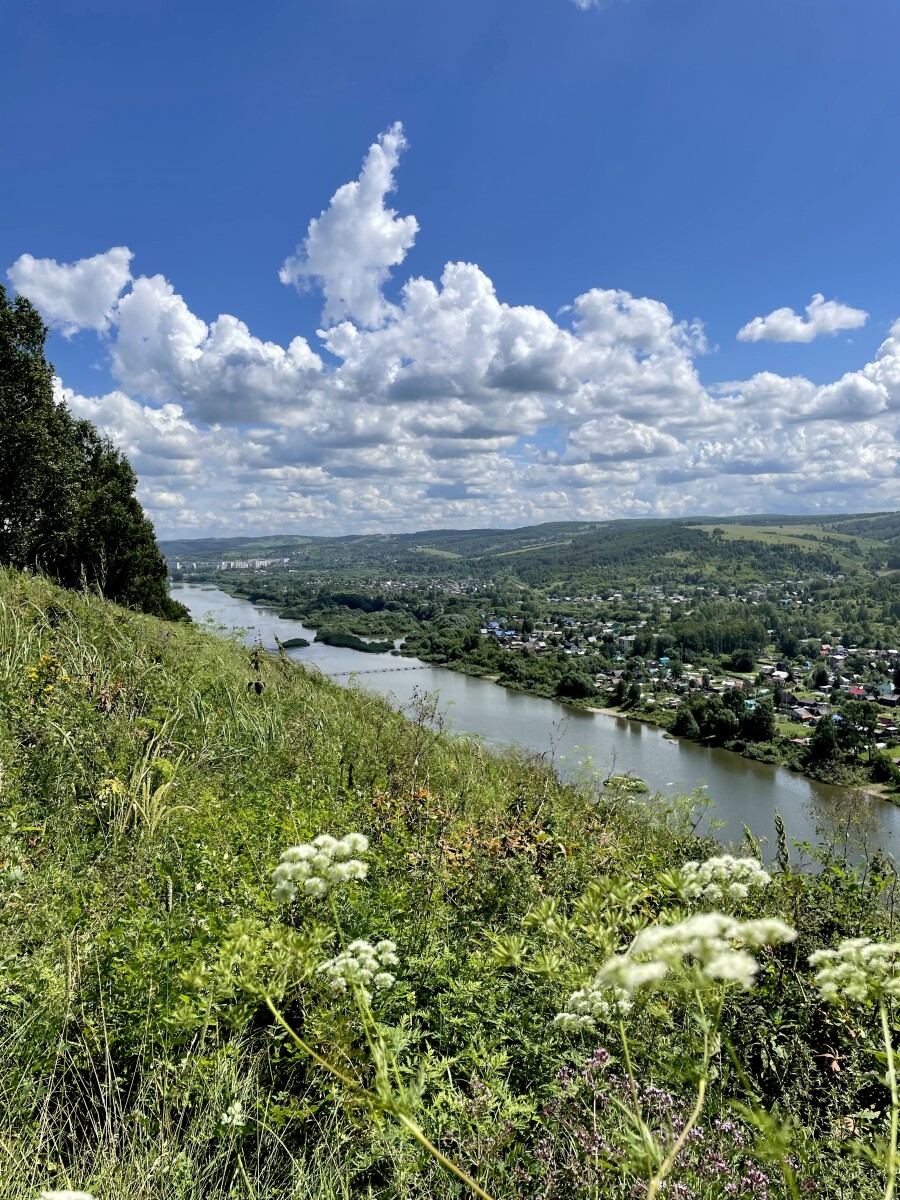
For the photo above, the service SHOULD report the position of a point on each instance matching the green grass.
(527, 549)
(435, 552)
(786, 535)
(146, 796)
(792, 729)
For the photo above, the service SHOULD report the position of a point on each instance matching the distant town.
(802, 670)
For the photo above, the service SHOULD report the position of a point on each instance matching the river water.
(743, 792)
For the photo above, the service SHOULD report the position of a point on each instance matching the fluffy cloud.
(350, 248)
(822, 316)
(449, 406)
(74, 296)
(163, 351)
(160, 498)
(616, 440)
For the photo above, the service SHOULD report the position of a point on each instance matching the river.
(743, 792)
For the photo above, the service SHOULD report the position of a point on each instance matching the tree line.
(67, 502)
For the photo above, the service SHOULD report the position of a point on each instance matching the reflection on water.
(743, 792)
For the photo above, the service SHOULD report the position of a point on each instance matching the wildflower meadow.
(283, 941)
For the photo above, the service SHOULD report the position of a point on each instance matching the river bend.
(743, 792)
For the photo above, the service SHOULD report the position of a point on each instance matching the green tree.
(38, 468)
(884, 769)
(685, 725)
(112, 543)
(857, 728)
(513, 669)
(725, 725)
(67, 503)
(823, 745)
(820, 676)
(758, 725)
(575, 685)
(743, 660)
(788, 644)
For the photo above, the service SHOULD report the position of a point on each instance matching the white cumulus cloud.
(74, 296)
(163, 351)
(822, 316)
(349, 249)
(450, 406)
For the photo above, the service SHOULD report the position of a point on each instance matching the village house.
(803, 716)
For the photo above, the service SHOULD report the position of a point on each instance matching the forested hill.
(461, 543)
(586, 555)
(631, 553)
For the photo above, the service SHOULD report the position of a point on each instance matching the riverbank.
(569, 682)
(781, 753)
(580, 743)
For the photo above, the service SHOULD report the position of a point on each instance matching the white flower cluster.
(711, 944)
(362, 965)
(234, 1115)
(723, 878)
(66, 1194)
(859, 970)
(317, 867)
(592, 1004)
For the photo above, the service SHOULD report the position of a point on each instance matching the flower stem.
(323, 1062)
(669, 1161)
(409, 1125)
(895, 1103)
(420, 1137)
(251, 1190)
(631, 1084)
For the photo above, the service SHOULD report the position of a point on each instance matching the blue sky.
(684, 166)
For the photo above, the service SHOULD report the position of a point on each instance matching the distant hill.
(462, 541)
(234, 547)
(588, 554)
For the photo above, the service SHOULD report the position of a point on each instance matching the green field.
(787, 535)
(438, 553)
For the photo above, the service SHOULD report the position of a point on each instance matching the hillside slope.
(148, 789)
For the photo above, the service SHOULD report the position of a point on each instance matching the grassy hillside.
(167, 1030)
(844, 548)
